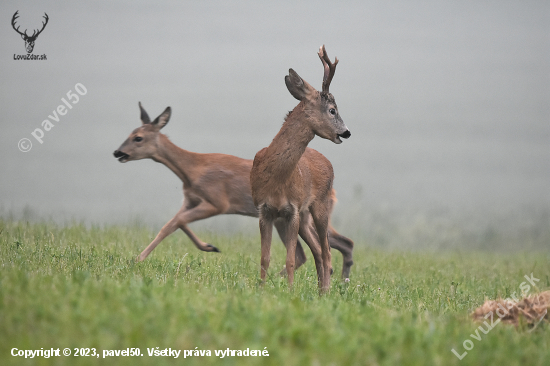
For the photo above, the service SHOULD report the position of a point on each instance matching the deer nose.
(345, 135)
(120, 154)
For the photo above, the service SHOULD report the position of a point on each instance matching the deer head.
(320, 107)
(142, 142)
(29, 40)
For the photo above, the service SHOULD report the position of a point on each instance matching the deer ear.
(163, 119)
(144, 116)
(296, 85)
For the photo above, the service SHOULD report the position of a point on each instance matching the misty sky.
(447, 101)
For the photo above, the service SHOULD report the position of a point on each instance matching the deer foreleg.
(197, 241)
(290, 238)
(300, 255)
(166, 230)
(266, 230)
(183, 217)
(202, 211)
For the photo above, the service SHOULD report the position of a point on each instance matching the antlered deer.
(213, 184)
(292, 183)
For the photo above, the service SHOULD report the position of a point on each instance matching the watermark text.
(39, 133)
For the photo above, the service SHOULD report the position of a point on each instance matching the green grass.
(78, 287)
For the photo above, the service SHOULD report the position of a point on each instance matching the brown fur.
(213, 184)
(292, 184)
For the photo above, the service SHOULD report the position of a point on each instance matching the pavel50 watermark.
(25, 144)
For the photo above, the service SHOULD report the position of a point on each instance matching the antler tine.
(43, 23)
(13, 19)
(15, 16)
(329, 67)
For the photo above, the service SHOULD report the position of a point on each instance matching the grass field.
(79, 287)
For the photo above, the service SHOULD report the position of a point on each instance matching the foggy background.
(447, 102)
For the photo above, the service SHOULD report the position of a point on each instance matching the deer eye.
(332, 111)
(138, 138)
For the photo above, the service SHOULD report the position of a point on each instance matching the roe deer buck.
(213, 184)
(291, 182)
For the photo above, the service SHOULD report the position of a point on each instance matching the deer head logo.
(29, 40)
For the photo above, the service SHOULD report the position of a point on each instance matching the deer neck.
(178, 160)
(289, 144)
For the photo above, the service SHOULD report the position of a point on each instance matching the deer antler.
(15, 16)
(34, 34)
(43, 26)
(330, 67)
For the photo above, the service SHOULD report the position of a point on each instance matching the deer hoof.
(213, 248)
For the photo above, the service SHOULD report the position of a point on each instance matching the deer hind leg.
(339, 242)
(300, 255)
(320, 214)
(184, 216)
(201, 211)
(343, 245)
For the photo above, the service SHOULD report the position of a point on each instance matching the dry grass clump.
(531, 310)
